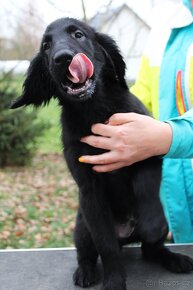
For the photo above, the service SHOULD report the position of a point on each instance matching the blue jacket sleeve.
(182, 139)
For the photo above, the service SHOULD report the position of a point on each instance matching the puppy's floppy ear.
(38, 88)
(113, 56)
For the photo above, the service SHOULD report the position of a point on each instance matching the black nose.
(63, 57)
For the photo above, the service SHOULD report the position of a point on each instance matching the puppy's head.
(71, 62)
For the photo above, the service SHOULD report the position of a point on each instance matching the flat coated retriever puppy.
(85, 71)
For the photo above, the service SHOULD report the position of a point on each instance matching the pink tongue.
(80, 68)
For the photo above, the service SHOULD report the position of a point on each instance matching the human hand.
(130, 138)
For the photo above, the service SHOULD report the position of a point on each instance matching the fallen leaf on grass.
(19, 234)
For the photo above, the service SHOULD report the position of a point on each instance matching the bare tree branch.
(109, 4)
(26, 11)
(84, 11)
(56, 7)
(27, 29)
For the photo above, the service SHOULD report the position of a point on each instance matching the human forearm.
(182, 141)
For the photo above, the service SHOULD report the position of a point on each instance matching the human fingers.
(104, 158)
(99, 142)
(122, 118)
(103, 130)
(109, 167)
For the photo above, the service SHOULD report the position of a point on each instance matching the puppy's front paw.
(84, 276)
(114, 284)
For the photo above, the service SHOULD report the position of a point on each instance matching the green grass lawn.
(50, 141)
(38, 203)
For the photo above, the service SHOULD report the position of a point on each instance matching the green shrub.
(18, 128)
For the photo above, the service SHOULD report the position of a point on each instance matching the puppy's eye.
(78, 34)
(46, 45)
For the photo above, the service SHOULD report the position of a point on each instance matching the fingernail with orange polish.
(81, 159)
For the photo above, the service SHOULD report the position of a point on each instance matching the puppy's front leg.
(98, 219)
(87, 255)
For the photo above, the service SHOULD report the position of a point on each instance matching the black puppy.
(84, 70)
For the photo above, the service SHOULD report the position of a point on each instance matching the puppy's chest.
(119, 191)
(121, 200)
(79, 122)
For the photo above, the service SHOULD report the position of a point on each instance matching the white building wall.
(131, 34)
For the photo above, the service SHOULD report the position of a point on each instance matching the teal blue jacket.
(165, 85)
(177, 182)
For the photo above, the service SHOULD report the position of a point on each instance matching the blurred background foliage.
(19, 129)
(38, 201)
(38, 198)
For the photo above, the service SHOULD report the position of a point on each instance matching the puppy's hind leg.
(87, 255)
(152, 225)
(151, 222)
(173, 262)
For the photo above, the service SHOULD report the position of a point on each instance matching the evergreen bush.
(19, 128)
